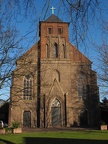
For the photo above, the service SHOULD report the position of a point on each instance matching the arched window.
(27, 88)
(47, 51)
(64, 51)
(56, 53)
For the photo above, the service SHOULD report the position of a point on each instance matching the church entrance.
(27, 119)
(56, 113)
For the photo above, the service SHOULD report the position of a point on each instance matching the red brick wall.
(44, 33)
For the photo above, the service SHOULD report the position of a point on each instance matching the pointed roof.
(53, 18)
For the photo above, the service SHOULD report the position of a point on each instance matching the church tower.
(54, 51)
(53, 38)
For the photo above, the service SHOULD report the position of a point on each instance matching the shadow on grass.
(32, 140)
(5, 142)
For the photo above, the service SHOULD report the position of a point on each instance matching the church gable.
(30, 56)
(26, 65)
(77, 56)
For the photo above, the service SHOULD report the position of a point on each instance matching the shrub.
(15, 124)
(8, 130)
(1, 127)
(102, 123)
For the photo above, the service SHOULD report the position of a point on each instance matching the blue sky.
(95, 32)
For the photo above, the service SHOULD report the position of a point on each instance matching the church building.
(53, 84)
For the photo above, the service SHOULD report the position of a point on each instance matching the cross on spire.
(52, 9)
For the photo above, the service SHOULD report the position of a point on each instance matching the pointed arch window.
(56, 52)
(27, 88)
(47, 51)
(64, 51)
(56, 103)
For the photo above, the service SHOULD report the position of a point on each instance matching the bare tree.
(102, 68)
(82, 14)
(10, 39)
(102, 60)
(8, 51)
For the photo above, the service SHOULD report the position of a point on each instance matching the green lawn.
(64, 137)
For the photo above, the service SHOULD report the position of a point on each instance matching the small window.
(49, 30)
(59, 30)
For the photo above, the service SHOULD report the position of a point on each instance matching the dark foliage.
(104, 110)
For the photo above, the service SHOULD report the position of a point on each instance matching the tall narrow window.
(47, 51)
(82, 86)
(56, 113)
(64, 51)
(80, 90)
(55, 50)
(27, 88)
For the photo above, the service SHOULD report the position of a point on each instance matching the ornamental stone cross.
(52, 9)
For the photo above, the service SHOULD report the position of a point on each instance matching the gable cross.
(52, 9)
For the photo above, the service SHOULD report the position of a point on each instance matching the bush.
(1, 127)
(102, 123)
(9, 130)
(15, 124)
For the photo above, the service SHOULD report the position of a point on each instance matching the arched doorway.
(56, 112)
(27, 119)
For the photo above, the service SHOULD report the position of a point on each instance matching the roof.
(77, 56)
(53, 18)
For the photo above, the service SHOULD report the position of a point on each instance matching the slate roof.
(53, 18)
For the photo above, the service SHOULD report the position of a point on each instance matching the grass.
(63, 137)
